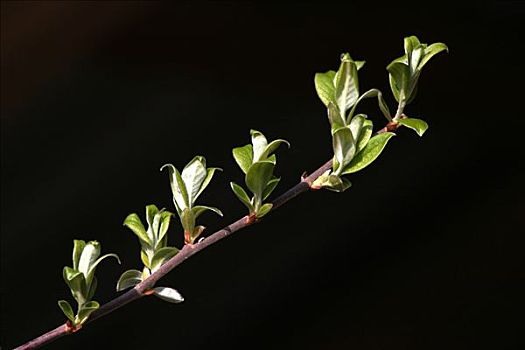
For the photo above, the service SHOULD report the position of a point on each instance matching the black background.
(425, 251)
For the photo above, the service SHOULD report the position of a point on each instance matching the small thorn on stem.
(304, 178)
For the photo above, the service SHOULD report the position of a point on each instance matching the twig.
(187, 251)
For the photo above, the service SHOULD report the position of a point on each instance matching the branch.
(143, 288)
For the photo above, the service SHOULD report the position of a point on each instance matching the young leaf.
(92, 288)
(399, 80)
(145, 258)
(178, 188)
(90, 253)
(264, 209)
(67, 310)
(93, 266)
(344, 147)
(418, 125)
(78, 247)
(86, 310)
(334, 116)
(364, 136)
(332, 182)
(193, 176)
(129, 279)
(259, 143)
(411, 42)
(199, 209)
(168, 294)
(258, 176)
(272, 146)
(133, 222)
(371, 151)
(151, 211)
(209, 175)
(165, 218)
(76, 282)
(241, 194)
(187, 219)
(430, 52)
(346, 85)
(163, 255)
(324, 85)
(356, 125)
(270, 187)
(244, 157)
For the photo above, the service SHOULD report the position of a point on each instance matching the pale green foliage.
(154, 246)
(257, 162)
(352, 144)
(81, 280)
(186, 188)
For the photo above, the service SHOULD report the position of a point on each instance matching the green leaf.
(411, 42)
(334, 116)
(346, 85)
(241, 194)
(209, 175)
(416, 56)
(86, 310)
(93, 266)
(258, 176)
(193, 176)
(272, 146)
(259, 143)
(90, 253)
(364, 136)
(151, 211)
(356, 125)
(78, 247)
(324, 85)
(129, 279)
(187, 220)
(165, 218)
(168, 294)
(418, 125)
(76, 282)
(163, 255)
(264, 209)
(145, 273)
(371, 151)
(92, 289)
(199, 209)
(178, 188)
(67, 310)
(399, 80)
(244, 157)
(145, 258)
(344, 147)
(430, 52)
(153, 220)
(270, 187)
(133, 222)
(381, 102)
(332, 182)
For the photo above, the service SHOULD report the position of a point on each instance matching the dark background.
(425, 251)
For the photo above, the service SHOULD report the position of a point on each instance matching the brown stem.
(144, 288)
